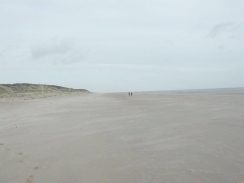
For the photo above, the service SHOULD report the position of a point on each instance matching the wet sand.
(114, 138)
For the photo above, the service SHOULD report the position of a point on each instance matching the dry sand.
(114, 138)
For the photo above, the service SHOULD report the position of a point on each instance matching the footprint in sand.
(7, 149)
(20, 153)
(1, 144)
(21, 161)
(30, 179)
(37, 167)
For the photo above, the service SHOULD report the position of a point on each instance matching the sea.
(216, 91)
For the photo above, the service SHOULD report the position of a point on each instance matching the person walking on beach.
(129, 93)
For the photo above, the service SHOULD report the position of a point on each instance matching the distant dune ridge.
(26, 89)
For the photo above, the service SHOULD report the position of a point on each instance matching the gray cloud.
(220, 47)
(5, 50)
(72, 57)
(235, 28)
(219, 28)
(54, 48)
(58, 51)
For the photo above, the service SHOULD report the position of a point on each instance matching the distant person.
(129, 93)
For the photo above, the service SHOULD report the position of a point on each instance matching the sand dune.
(31, 91)
(110, 138)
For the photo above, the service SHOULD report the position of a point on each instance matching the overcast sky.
(123, 45)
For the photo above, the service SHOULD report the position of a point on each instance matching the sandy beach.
(114, 138)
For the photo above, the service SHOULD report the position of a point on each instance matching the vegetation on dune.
(35, 88)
